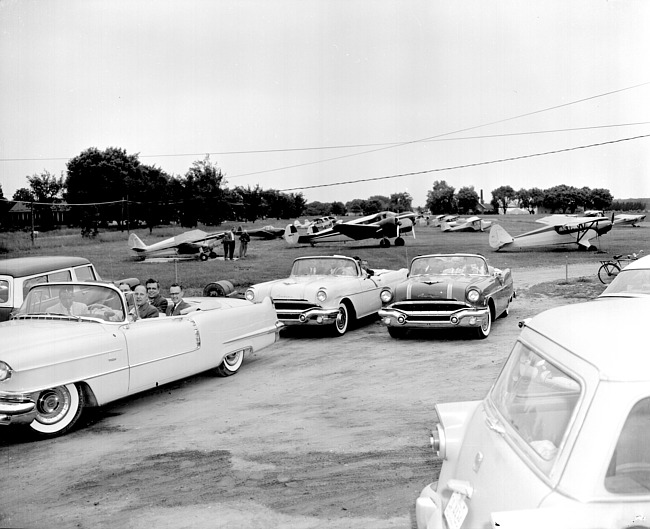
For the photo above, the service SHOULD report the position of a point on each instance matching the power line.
(501, 160)
(354, 146)
(447, 133)
(381, 146)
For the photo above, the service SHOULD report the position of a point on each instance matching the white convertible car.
(327, 290)
(73, 345)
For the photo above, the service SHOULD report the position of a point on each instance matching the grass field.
(268, 260)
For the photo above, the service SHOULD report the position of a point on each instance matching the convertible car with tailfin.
(73, 345)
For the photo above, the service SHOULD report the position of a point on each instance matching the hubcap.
(341, 319)
(52, 404)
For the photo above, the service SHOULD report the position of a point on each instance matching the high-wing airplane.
(559, 230)
(469, 224)
(628, 220)
(439, 219)
(384, 225)
(191, 244)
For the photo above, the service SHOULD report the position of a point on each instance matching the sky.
(336, 99)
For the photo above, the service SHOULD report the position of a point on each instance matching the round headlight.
(321, 295)
(386, 296)
(473, 296)
(250, 294)
(5, 371)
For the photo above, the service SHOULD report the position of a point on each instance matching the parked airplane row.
(386, 225)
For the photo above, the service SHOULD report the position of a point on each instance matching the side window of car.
(4, 291)
(29, 283)
(63, 275)
(629, 468)
(85, 273)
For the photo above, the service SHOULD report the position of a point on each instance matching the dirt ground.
(313, 432)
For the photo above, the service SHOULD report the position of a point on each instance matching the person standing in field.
(244, 239)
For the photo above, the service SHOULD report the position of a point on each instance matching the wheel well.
(351, 312)
(89, 396)
(492, 309)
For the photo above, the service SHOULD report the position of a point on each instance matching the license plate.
(456, 511)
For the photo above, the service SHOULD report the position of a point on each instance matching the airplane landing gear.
(385, 243)
(399, 242)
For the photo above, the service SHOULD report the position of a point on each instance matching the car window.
(85, 273)
(537, 399)
(29, 283)
(4, 291)
(63, 275)
(629, 468)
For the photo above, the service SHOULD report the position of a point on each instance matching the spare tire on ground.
(218, 289)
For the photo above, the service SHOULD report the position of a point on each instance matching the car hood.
(33, 343)
(436, 287)
(301, 287)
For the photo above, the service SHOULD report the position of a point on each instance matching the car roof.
(639, 264)
(27, 266)
(609, 333)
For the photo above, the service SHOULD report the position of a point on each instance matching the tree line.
(443, 198)
(112, 186)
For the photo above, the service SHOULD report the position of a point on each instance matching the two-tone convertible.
(327, 290)
(73, 345)
(447, 291)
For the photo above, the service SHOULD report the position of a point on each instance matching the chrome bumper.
(313, 316)
(16, 408)
(468, 317)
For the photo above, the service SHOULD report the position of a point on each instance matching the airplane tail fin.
(444, 226)
(499, 237)
(136, 243)
(291, 234)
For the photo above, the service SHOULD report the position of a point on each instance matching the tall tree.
(46, 187)
(441, 198)
(204, 194)
(467, 199)
(99, 176)
(503, 196)
(400, 202)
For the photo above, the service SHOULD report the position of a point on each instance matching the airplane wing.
(568, 221)
(267, 232)
(195, 236)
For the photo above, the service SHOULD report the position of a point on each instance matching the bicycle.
(609, 269)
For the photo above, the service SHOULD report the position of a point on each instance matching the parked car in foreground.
(19, 274)
(74, 345)
(326, 290)
(448, 291)
(632, 281)
(560, 440)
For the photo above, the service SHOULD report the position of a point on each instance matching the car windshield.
(538, 400)
(324, 266)
(449, 265)
(629, 282)
(73, 301)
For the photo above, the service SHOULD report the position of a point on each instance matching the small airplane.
(384, 225)
(559, 230)
(628, 220)
(469, 224)
(439, 219)
(191, 244)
